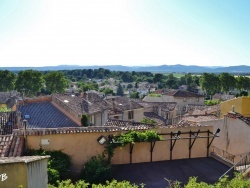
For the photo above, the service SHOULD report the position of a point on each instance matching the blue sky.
(124, 32)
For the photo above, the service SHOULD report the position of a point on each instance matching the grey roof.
(88, 104)
(151, 115)
(123, 103)
(180, 93)
(165, 106)
(45, 115)
(4, 96)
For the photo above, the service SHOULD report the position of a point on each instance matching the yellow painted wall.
(17, 175)
(82, 146)
(241, 105)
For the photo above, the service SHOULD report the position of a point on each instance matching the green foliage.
(108, 184)
(84, 120)
(107, 91)
(148, 121)
(7, 80)
(96, 170)
(119, 91)
(211, 102)
(116, 184)
(227, 81)
(29, 81)
(134, 95)
(135, 136)
(53, 176)
(154, 95)
(84, 86)
(4, 109)
(58, 164)
(210, 83)
(55, 82)
(239, 181)
(69, 184)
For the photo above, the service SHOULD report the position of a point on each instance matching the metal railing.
(223, 154)
(241, 166)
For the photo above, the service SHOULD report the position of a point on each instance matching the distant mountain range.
(159, 69)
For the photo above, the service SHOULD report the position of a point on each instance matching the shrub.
(84, 120)
(96, 170)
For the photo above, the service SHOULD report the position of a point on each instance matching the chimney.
(232, 108)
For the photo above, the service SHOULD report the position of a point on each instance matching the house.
(87, 103)
(165, 110)
(222, 97)
(8, 100)
(182, 98)
(123, 108)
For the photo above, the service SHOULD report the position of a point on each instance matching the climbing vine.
(130, 138)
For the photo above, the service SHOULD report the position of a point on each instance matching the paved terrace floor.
(152, 174)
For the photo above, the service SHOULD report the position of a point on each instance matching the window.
(92, 120)
(131, 114)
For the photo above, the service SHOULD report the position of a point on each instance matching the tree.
(227, 81)
(55, 82)
(242, 83)
(107, 91)
(158, 77)
(210, 83)
(119, 91)
(7, 82)
(84, 120)
(88, 86)
(30, 81)
(134, 95)
(171, 81)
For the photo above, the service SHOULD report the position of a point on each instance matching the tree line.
(32, 82)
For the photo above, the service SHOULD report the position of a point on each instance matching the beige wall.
(138, 115)
(82, 146)
(234, 136)
(17, 175)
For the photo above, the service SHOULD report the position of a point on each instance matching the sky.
(124, 32)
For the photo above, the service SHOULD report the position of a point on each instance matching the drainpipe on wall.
(24, 134)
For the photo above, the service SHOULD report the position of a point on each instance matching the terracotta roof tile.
(199, 118)
(184, 123)
(90, 104)
(11, 146)
(110, 126)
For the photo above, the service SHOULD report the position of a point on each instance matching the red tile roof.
(110, 126)
(11, 146)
